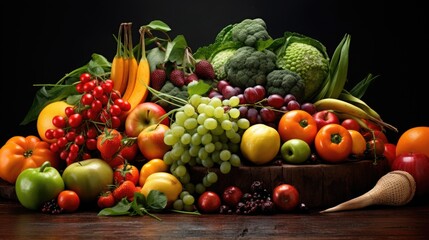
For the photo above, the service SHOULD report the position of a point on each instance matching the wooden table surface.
(375, 222)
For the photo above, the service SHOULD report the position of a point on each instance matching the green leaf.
(121, 208)
(47, 95)
(176, 50)
(155, 57)
(360, 88)
(98, 65)
(159, 25)
(156, 200)
(199, 88)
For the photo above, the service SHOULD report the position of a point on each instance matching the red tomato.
(372, 125)
(209, 202)
(377, 134)
(126, 154)
(68, 200)
(285, 197)
(389, 152)
(333, 143)
(351, 124)
(126, 172)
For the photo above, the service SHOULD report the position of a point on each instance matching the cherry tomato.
(68, 200)
(209, 202)
(333, 143)
(285, 197)
(375, 148)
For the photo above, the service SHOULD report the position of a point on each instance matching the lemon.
(260, 144)
(44, 120)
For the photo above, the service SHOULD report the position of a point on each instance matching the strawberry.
(106, 200)
(158, 78)
(125, 189)
(191, 77)
(204, 70)
(109, 143)
(177, 77)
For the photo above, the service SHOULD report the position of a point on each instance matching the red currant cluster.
(99, 107)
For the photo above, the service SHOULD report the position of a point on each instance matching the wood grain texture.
(377, 222)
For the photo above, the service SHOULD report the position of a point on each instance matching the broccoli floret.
(172, 90)
(250, 31)
(308, 62)
(218, 61)
(249, 67)
(283, 82)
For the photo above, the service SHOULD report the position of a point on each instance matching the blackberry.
(51, 207)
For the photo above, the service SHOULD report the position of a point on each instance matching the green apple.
(88, 178)
(295, 151)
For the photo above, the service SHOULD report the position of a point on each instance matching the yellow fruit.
(44, 120)
(152, 166)
(260, 144)
(164, 182)
(359, 143)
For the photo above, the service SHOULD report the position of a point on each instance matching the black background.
(388, 39)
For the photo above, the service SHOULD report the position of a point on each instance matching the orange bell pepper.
(20, 153)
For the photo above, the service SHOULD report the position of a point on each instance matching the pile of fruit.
(123, 136)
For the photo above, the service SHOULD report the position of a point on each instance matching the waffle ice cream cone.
(396, 188)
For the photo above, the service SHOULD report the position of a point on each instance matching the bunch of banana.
(349, 106)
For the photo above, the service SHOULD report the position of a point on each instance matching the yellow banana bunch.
(355, 108)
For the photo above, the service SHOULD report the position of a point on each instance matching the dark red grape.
(251, 95)
(267, 115)
(293, 105)
(288, 98)
(221, 85)
(309, 107)
(275, 101)
(229, 91)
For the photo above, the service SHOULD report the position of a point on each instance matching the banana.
(341, 106)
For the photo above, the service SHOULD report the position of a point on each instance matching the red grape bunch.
(256, 106)
(99, 106)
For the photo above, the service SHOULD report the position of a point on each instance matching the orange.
(260, 143)
(44, 120)
(359, 143)
(415, 140)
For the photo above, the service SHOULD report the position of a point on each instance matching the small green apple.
(295, 151)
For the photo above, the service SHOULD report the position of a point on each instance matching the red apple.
(416, 164)
(325, 117)
(151, 141)
(142, 116)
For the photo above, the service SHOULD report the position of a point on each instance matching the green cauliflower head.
(218, 61)
(249, 67)
(250, 31)
(308, 62)
(283, 82)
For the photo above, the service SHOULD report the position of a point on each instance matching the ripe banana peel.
(353, 110)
